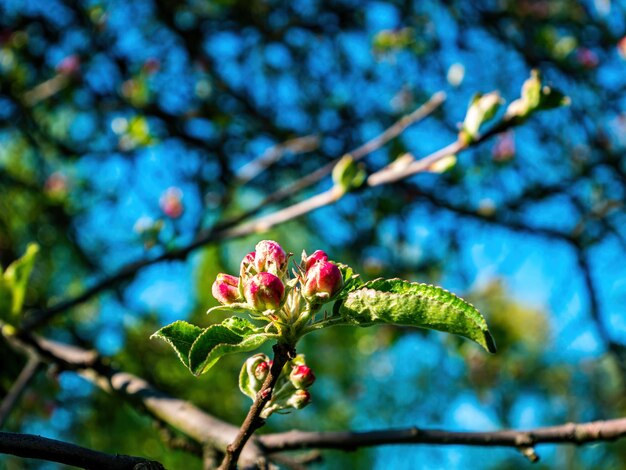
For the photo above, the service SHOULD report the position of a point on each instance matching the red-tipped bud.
(299, 399)
(271, 257)
(322, 281)
(261, 371)
(302, 376)
(318, 255)
(226, 289)
(264, 291)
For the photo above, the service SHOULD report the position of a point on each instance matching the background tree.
(139, 138)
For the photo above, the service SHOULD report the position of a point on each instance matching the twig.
(20, 384)
(253, 421)
(272, 155)
(42, 448)
(571, 433)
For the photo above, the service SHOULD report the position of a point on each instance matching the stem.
(282, 354)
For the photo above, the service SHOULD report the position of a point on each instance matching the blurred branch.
(42, 448)
(618, 350)
(272, 155)
(570, 433)
(20, 384)
(180, 414)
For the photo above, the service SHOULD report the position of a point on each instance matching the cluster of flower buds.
(264, 285)
(291, 387)
(261, 279)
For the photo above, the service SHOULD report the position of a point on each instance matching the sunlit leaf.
(400, 302)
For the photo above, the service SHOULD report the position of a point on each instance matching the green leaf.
(231, 309)
(6, 299)
(16, 278)
(399, 302)
(348, 175)
(351, 280)
(181, 336)
(217, 341)
(200, 348)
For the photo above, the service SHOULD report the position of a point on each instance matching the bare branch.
(570, 433)
(18, 388)
(42, 448)
(180, 414)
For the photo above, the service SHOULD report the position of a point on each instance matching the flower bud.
(299, 399)
(261, 371)
(251, 376)
(322, 281)
(247, 269)
(264, 291)
(226, 289)
(302, 376)
(271, 257)
(318, 255)
(171, 203)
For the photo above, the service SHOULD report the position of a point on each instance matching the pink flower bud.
(318, 255)
(299, 399)
(171, 202)
(261, 371)
(271, 257)
(69, 65)
(302, 376)
(226, 289)
(264, 291)
(322, 281)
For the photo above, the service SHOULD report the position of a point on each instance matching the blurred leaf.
(15, 282)
(399, 302)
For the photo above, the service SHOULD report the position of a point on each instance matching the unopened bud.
(271, 257)
(171, 202)
(261, 371)
(302, 376)
(481, 109)
(299, 399)
(309, 261)
(226, 289)
(264, 291)
(322, 281)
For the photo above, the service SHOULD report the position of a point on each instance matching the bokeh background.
(127, 128)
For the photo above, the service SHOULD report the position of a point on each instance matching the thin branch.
(570, 433)
(20, 384)
(253, 421)
(42, 448)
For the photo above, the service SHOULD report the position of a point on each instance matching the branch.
(18, 388)
(42, 448)
(570, 433)
(253, 421)
(180, 414)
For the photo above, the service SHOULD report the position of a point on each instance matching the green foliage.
(348, 175)
(400, 302)
(13, 284)
(199, 349)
